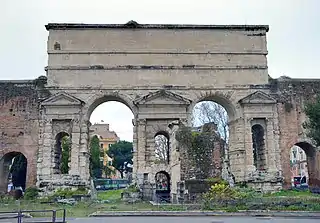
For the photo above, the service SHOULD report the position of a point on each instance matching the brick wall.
(19, 122)
(292, 95)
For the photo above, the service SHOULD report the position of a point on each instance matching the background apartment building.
(298, 161)
(106, 138)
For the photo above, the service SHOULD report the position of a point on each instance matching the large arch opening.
(111, 139)
(13, 171)
(162, 180)
(303, 165)
(213, 115)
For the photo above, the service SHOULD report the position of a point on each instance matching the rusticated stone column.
(238, 148)
(84, 153)
(75, 148)
(141, 148)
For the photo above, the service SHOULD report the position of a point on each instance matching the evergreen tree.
(66, 146)
(95, 163)
(121, 154)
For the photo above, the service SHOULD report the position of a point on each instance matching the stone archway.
(163, 186)
(312, 163)
(73, 121)
(161, 78)
(13, 168)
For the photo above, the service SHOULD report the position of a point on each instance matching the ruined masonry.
(160, 72)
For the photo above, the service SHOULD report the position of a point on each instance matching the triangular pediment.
(257, 97)
(61, 99)
(162, 97)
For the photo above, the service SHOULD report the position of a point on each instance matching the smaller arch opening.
(162, 147)
(162, 180)
(13, 171)
(258, 145)
(62, 153)
(303, 164)
(298, 165)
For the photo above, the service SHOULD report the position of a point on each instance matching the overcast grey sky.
(293, 39)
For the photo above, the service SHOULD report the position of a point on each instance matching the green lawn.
(111, 201)
(110, 195)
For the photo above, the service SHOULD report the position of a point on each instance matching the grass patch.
(283, 200)
(110, 195)
(292, 193)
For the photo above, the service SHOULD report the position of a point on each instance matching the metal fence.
(19, 215)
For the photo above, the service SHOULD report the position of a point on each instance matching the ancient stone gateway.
(160, 72)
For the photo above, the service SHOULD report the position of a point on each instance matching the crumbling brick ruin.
(19, 126)
(160, 72)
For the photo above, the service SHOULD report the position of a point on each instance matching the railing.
(20, 214)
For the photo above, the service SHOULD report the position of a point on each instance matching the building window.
(145, 177)
(57, 46)
(101, 145)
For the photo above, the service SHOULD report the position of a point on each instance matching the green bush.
(220, 192)
(31, 193)
(247, 193)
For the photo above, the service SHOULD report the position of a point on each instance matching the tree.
(211, 112)
(312, 110)
(95, 163)
(65, 158)
(18, 171)
(121, 154)
(162, 148)
(108, 171)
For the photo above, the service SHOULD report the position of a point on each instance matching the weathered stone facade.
(19, 126)
(160, 72)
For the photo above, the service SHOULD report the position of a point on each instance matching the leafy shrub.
(220, 192)
(31, 193)
(247, 193)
